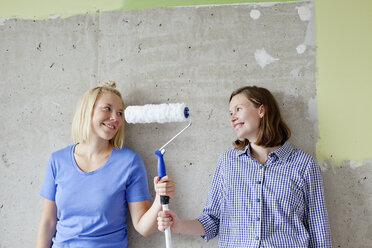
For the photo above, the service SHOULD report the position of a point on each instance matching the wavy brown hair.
(273, 130)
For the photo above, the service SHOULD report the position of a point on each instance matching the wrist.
(179, 227)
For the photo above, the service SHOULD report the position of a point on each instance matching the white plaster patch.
(305, 12)
(55, 16)
(268, 4)
(310, 33)
(312, 109)
(354, 164)
(255, 14)
(263, 58)
(3, 20)
(367, 161)
(301, 48)
(325, 165)
(235, 5)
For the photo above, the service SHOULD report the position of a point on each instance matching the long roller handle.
(164, 200)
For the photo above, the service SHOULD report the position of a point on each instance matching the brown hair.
(81, 123)
(273, 130)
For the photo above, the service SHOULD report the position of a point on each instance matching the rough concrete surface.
(197, 55)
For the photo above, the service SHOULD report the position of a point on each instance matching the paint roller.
(160, 113)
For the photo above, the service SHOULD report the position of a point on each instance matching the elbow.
(146, 235)
(145, 232)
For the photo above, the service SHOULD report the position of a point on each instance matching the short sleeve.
(48, 189)
(137, 187)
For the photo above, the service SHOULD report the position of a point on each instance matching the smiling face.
(245, 117)
(107, 116)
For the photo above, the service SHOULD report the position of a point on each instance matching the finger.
(161, 214)
(163, 188)
(166, 179)
(166, 185)
(165, 224)
(161, 227)
(165, 214)
(156, 179)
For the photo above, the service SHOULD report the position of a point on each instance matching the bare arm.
(47, 226)
(169, 218)
(144, 214)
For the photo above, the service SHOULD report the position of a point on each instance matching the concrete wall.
(196, 55)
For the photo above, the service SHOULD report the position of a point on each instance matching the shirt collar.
(284, 151)
(281, 153)
(245, 151)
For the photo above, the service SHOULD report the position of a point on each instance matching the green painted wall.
(42, 9)
(344, 79)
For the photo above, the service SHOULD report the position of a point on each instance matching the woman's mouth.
(110, 126)
(238, 125)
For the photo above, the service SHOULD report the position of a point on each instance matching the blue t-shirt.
(92, 206)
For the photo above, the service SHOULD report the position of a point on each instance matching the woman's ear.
(261, 111)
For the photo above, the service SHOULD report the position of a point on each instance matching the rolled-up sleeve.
(210, 216)
(316, 217)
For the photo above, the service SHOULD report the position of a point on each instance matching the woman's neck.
(261, 153)
(90, 156)
(93, 148)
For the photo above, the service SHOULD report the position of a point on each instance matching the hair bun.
(109, 84)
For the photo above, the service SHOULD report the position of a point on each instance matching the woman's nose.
(114, 117)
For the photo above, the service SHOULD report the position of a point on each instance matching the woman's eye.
(120, 113)
(107, 108)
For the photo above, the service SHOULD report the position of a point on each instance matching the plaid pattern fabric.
(278, 204)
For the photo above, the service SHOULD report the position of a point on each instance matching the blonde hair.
(273, 131)
(81, 123)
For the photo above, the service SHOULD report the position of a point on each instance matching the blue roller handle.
(161, 164)
(162, 173)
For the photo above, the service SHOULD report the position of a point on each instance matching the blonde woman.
(90, 186)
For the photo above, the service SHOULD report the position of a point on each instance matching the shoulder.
(303, 161)
(126, 153)
(301, 156)
(229, 154)
(62, 153)
(229, 157)
(60, 158)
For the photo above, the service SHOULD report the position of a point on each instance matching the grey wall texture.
(196, 55)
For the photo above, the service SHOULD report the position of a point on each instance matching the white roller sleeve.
(160, 113)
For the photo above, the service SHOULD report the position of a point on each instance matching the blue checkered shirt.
(277, 204)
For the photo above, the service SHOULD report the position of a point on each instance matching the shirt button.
(261, 166)
(258, 200)
(258, 219)
(257, 238)
(258, 182)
